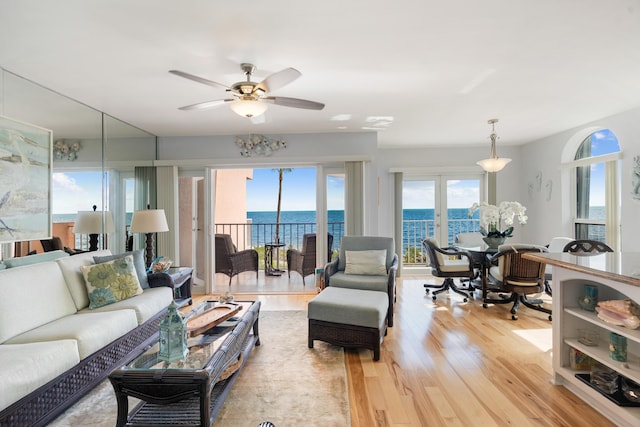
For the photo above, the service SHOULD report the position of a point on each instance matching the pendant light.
(493, 163)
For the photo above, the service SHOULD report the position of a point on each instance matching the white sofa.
(53, 348)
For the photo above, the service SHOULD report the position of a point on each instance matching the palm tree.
(280, 171)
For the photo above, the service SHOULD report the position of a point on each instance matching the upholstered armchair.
(365, 262)
(304, 261)
(449, 263)
(231, 262)
(520, 277)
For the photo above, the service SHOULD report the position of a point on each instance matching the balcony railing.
(248, 235)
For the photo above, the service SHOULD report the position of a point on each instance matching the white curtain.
(167, 244)
(398, 239)
(612, 229)
(354, 198)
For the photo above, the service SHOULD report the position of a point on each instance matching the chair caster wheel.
(550, 318)
(465, 299)
(427, 291)
(434, 297)
(484, 305)
(514, 317)
(513, 311)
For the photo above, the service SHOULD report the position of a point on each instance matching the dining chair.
(512, 273)
(586, 245)
(449, 263)
(557, 244)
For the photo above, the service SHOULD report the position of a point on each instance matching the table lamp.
(90, 222)
(149, 221)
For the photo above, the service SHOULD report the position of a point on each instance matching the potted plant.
(493, 218)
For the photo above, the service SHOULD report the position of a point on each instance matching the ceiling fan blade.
(277, 80)
(293, 102)
(205, 105)
(199, 79)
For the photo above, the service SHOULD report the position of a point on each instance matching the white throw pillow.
(111, 281)
(371, 263)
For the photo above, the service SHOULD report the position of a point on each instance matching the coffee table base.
(187, 412)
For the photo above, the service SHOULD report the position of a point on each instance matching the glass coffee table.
(188, 392)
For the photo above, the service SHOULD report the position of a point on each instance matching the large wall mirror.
(94, 156)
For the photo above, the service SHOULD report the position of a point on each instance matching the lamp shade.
(90, 222)
(494, 164)
(248, 108)
(149, 221)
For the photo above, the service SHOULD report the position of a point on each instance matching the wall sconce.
(90, 222)
(66, 150)
(149, 221)
(259, 145)
(493, 163)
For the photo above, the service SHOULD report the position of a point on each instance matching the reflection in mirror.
(89, 167)
(125, 147)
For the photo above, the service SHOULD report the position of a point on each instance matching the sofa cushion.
(145, 305)
(370, 262)
(25, 367)
(359, 281)
(138, 262)
(35, 258)
(111, 281)
(92, 330)
(32, 295)
(70, 267)
(361, 243)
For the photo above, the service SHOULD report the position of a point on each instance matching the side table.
(179, 279)
(269, 269)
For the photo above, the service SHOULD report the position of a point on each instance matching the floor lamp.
(90, 222)
(149, 221)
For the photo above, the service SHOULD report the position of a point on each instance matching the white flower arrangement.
(492, 217)
(259, 145)
(66, 150)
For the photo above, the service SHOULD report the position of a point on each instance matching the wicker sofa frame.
(41, 406)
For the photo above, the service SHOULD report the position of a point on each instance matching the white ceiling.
(423, 72)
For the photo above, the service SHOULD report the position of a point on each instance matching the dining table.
(481, 256)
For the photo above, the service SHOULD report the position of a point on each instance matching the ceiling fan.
(249, 98)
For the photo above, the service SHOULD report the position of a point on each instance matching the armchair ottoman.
(349, 318)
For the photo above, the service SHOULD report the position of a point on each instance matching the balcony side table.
(269, 269)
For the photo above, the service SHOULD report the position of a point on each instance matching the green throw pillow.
(138, 262)
(111, 281)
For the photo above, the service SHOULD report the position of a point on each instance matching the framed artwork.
(25, 181)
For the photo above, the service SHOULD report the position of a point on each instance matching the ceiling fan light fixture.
(493, 163)
(248, 108)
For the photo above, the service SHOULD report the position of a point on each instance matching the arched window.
(596, 214)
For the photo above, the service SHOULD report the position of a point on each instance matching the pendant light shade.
(493, 163)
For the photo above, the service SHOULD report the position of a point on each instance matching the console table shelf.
(616, 276)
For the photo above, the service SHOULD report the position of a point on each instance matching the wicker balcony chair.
(513, 274)
(231, 262)
(304, 261)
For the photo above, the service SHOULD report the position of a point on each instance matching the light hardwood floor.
(450, 363)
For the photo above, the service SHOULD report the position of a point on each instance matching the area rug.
(283, 382)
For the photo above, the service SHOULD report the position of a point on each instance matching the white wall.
(440, 160)
(553, 217)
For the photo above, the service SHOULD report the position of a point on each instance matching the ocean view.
(418, 224)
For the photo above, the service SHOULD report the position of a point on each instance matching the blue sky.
(298, 190)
